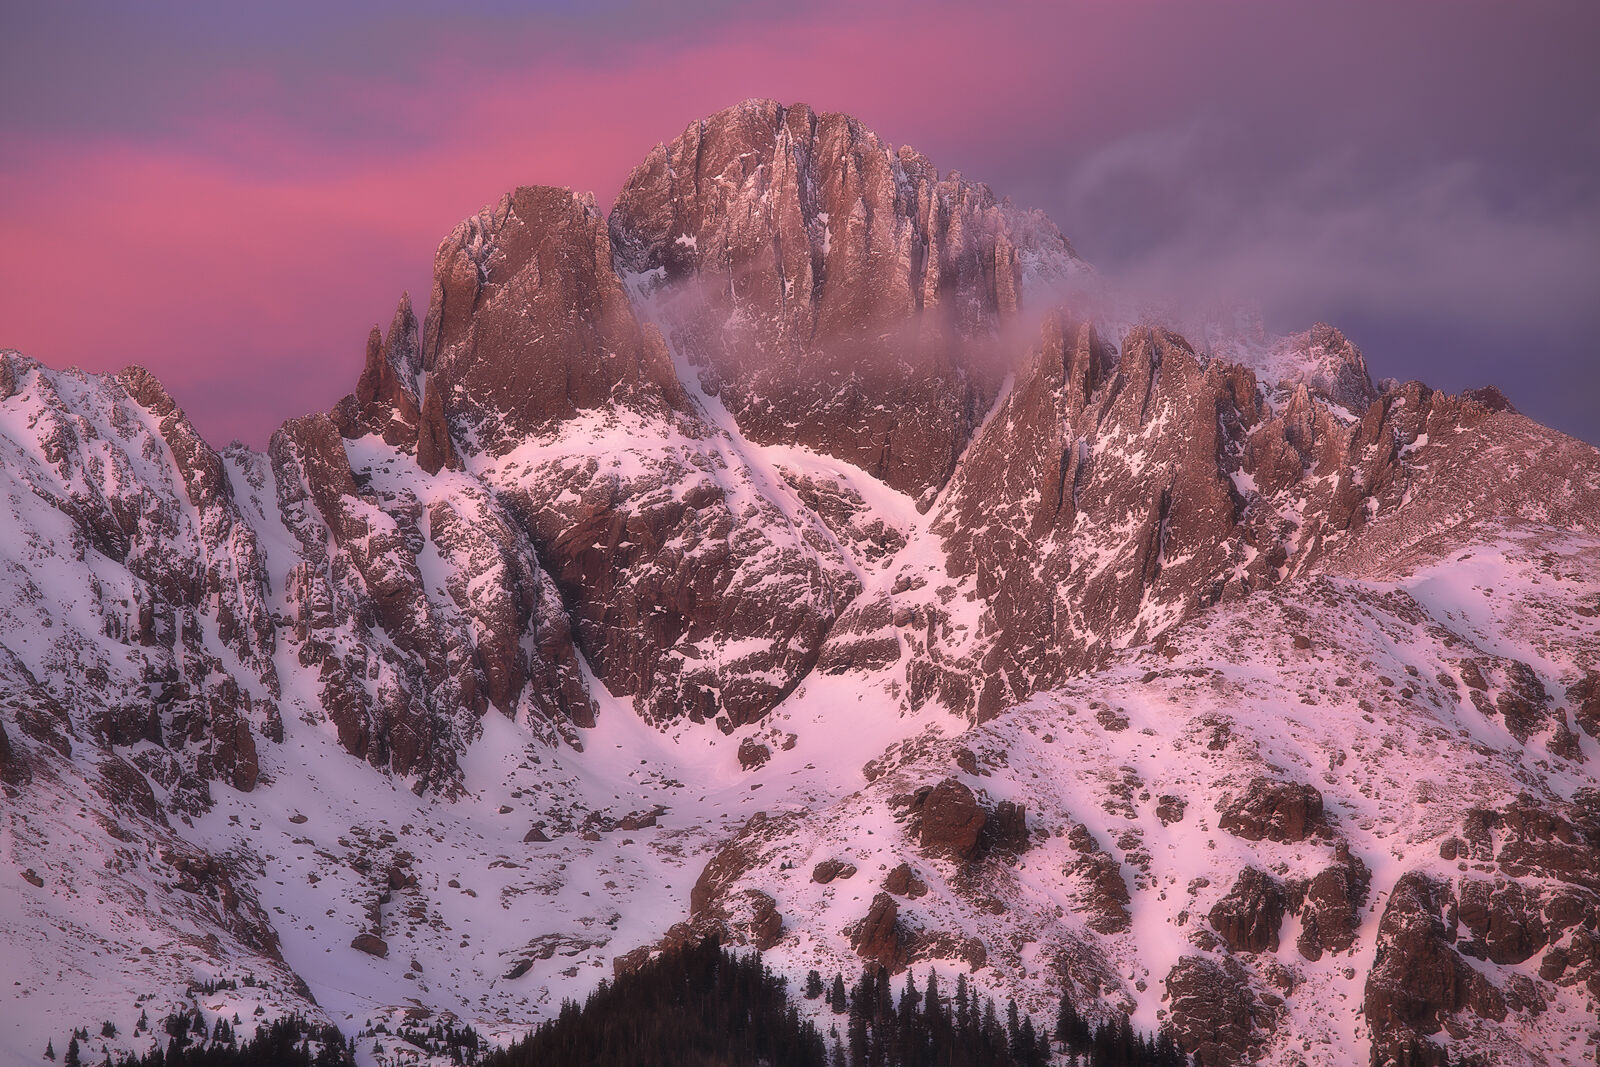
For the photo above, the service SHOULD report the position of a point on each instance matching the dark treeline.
(699, 1006)
(888, 1026)
(288, 1042)
(696, 1006)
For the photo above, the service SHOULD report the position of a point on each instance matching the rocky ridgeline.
(799, 408)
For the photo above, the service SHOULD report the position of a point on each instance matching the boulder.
(828, 870)
(753, 754)
(1274, 810)
(903, 882)
(878, 937)
(951, 821)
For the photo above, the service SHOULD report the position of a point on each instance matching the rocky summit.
(789, 555)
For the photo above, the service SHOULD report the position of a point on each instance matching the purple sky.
(232, 194)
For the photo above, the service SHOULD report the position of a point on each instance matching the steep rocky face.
(1330, 914)
(689, 587)
(1248, 918)
(1274, 810)
(406, 667)
(1216, 1016)
(387, 400)
(1111, 496)
(1418, 980)
(1095, 510)
(528, 324)
(836, 293)
(136, 592)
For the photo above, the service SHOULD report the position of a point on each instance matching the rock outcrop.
(878, 937)
(1274, 811)
(1330, 913)
(1248, 918)
(666, 550)
(950, 820)
(1214, 1013)
(1418, 980)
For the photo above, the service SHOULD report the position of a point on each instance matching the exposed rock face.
(1005, 830)
(1330, 914)
(1221, 572)
(902, 881)
(1215, 1015)
(528, 324)
(1109, 498)
(1540, 839)
(1247, 919)
(177, 643)
(878, 938)
(951, 820)
(753, 754)
(220, 885)
(1418, 980)
(1104, 895)
(387, 400)
(493, 634)
(13, 770)
(1504, 920)
(746, 850)
(1274, 811)
(665, 560)
(1328, 365)
(1036, 477)
(1585, 697)
(862, 290)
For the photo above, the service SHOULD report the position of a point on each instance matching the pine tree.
(49, 1050)
(1071, 1030)
(72, 1058)
(813, 985)
(1022, 1042)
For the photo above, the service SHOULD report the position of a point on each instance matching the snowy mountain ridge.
(771, 557)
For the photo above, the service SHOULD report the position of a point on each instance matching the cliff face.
(834, 292)
(795, 443)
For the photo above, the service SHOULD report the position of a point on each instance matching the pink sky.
(233, 200)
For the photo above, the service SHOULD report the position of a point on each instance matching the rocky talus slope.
(784, 555)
